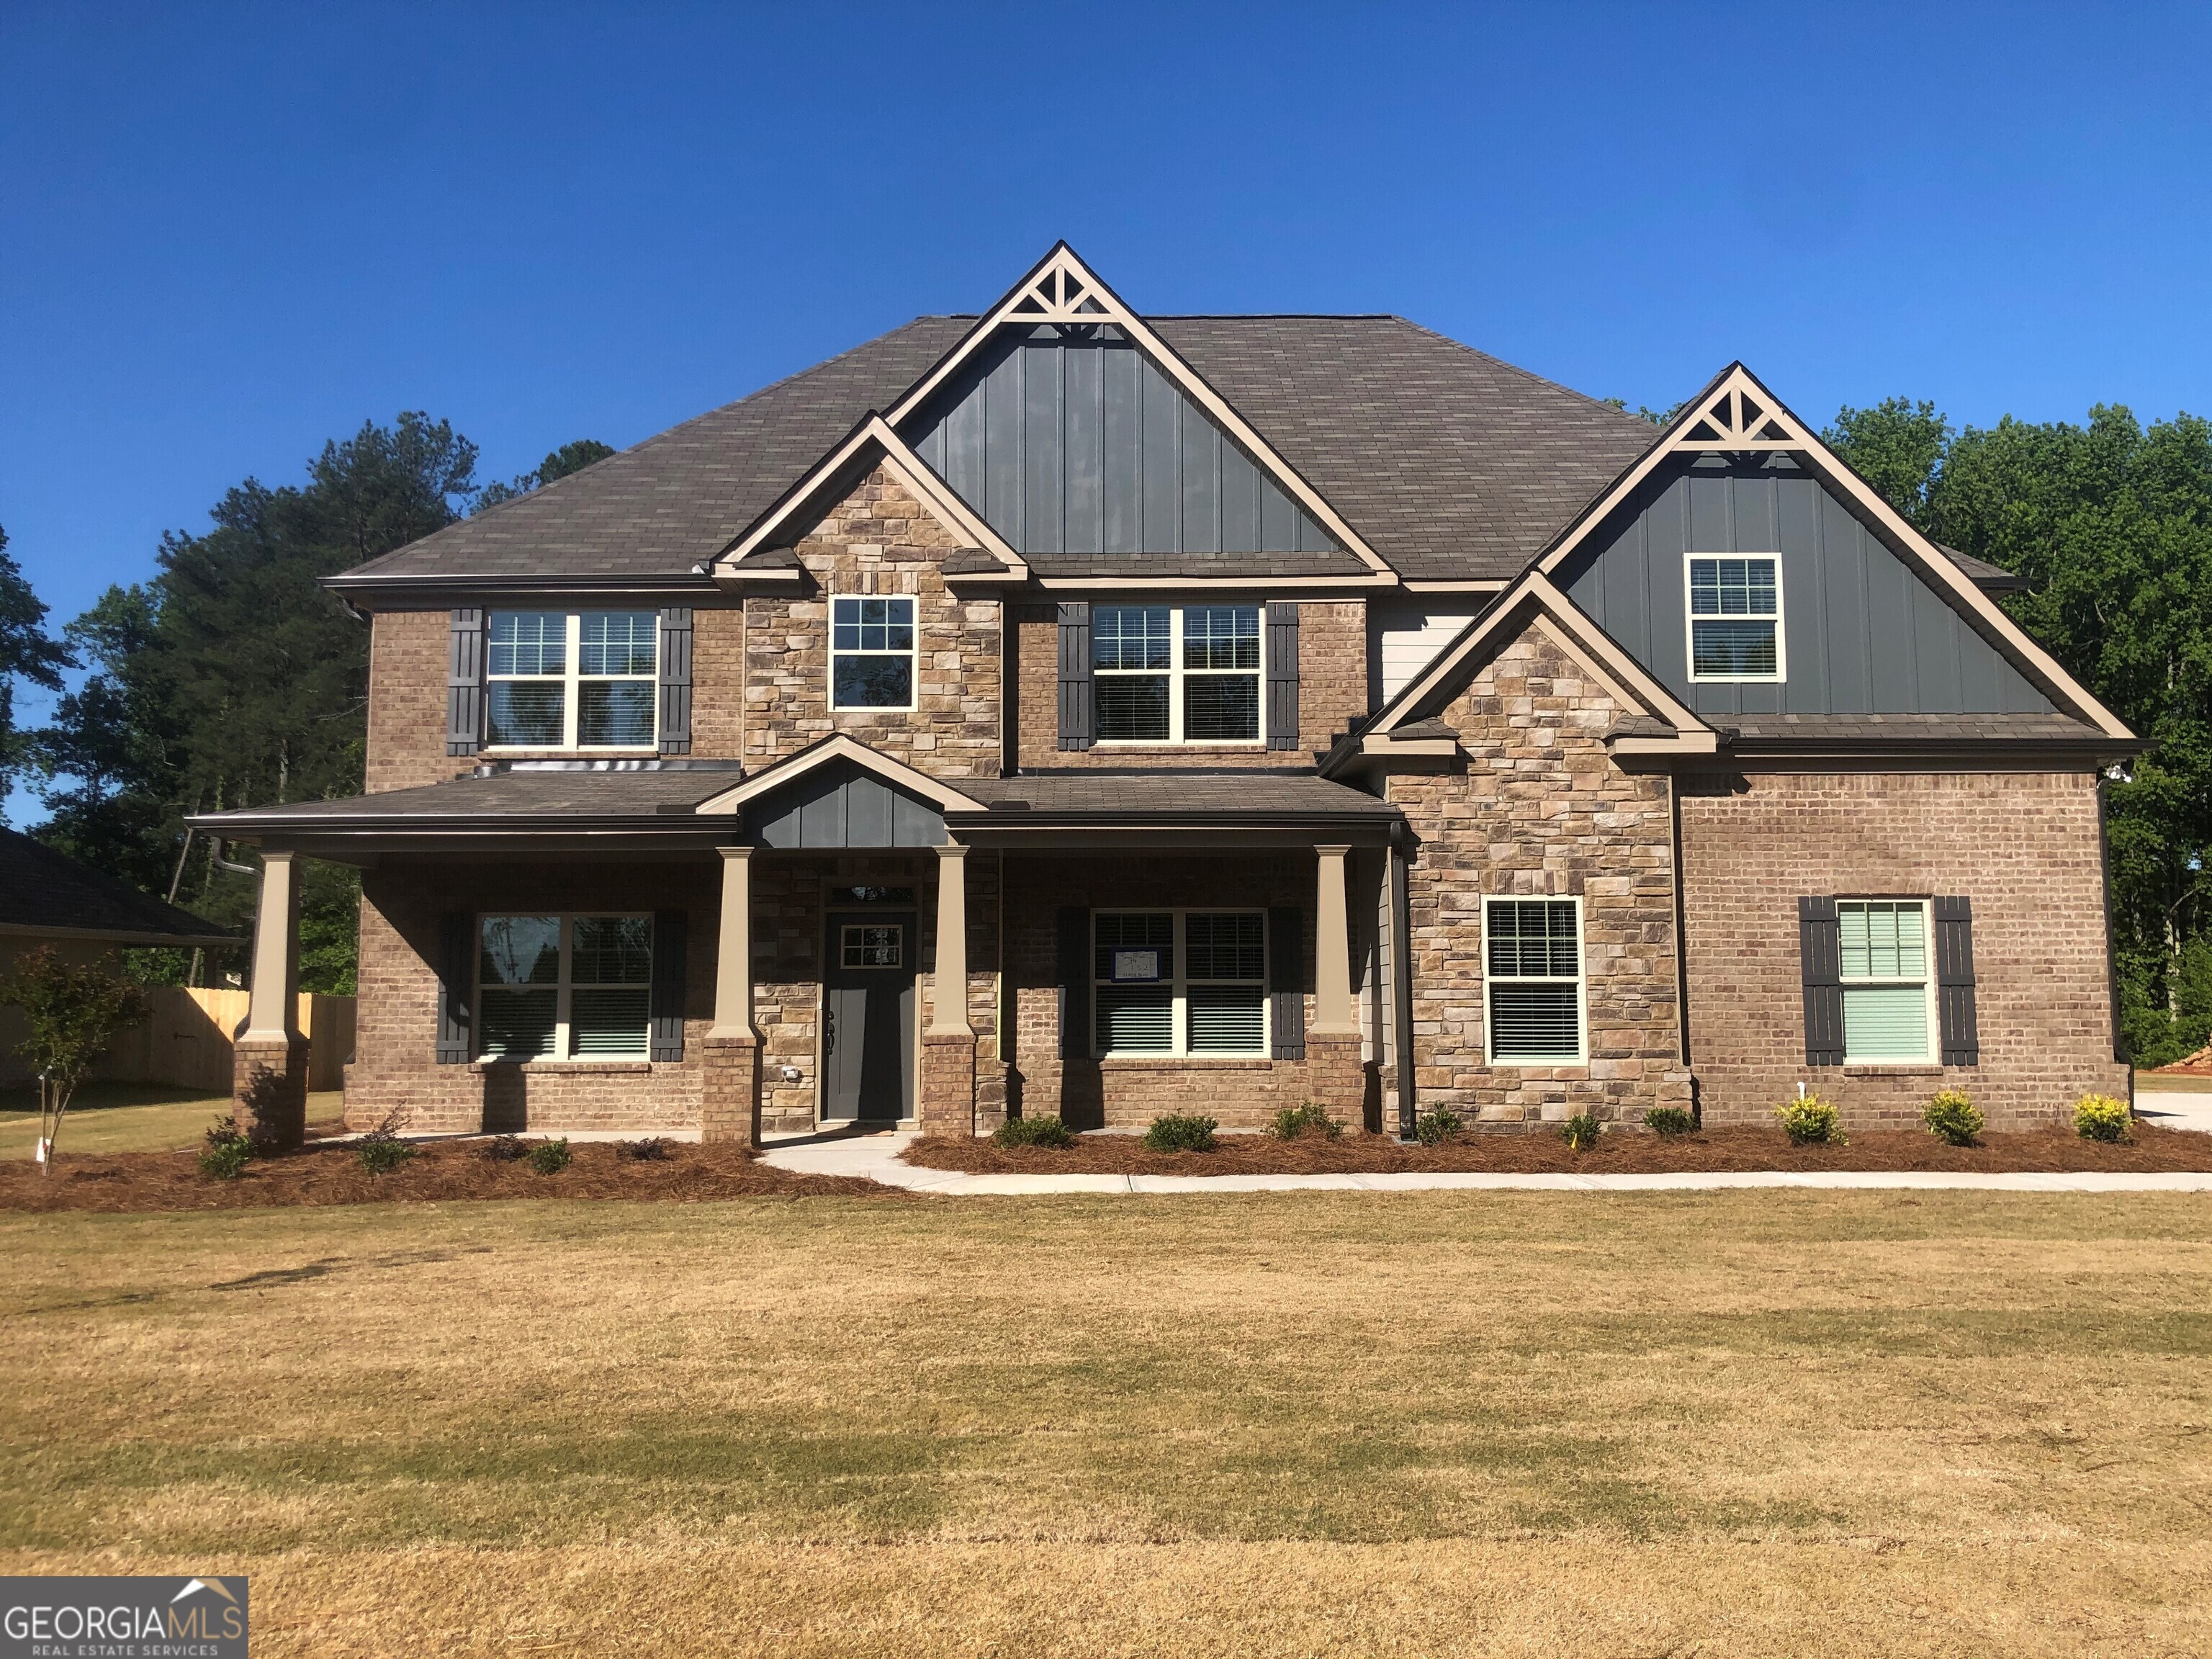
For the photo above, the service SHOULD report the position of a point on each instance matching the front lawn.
(128, 1117)
(1793, 1423)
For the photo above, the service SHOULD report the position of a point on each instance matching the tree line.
(229, 678)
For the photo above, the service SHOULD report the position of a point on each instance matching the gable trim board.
(840, 747)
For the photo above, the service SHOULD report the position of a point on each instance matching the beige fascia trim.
(840, 747)
(1060, 289)
(1168, 584)
(1688, 742)
(1414, 587)
(1383, 746)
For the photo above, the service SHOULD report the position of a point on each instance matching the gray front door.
(867, 1016)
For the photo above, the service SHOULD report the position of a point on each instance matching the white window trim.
(1179, 1018)
(912, 655)
(1690, 626)
(1176, 673)
(1581, 1056)
(571, 676)
(564, 986)
(1929, 989)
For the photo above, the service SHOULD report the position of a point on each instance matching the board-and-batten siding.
(1862, 633)
(1082, 445)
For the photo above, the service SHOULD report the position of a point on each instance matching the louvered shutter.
(1282, 676)
(676, 681)
(1074, 983)
(465, 681)
(666, 999)
(456, 983)
(1286, 981)
(1820, 946)
(1954, 981)
(1076, 724)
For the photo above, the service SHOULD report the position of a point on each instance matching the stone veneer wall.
(2025, 847)
(1540, 810)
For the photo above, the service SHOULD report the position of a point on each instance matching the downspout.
(1402, 987)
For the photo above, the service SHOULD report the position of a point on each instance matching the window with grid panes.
(1176, 673)
(871, 653)
(1888, 1013)
(1533, 965)
(1735, 618)
(564, 986)
(1180, 982)
(572, 679)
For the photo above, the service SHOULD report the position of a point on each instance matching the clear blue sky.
(227, 234)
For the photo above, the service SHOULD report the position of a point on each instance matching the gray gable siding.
(1862, 633)
(842, 805)
(1081, 444)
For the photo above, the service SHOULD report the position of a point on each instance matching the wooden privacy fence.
(185, 1039)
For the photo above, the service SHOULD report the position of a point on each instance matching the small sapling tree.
(73, 1012)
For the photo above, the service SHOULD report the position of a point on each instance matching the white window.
(572, 680)
(872, 653)
(1176, 673)
(1736, 617)
(1180, 982)
(563, 987)
(1889, 1006)
(1534, 963)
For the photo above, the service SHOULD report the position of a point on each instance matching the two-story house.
(1064, 710)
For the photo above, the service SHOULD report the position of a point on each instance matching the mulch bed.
(439, 1172)
(2048, 1152)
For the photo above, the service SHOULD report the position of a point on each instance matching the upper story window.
(1176, 673)
(1889, 1008)
(571, 679)
(1736, 617)
(871, 653)
(1533, 965)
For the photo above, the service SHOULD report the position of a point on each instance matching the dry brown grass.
(1515, 1423)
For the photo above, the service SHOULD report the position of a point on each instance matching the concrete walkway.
(876, 1158)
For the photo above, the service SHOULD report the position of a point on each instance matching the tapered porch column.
(1333, 1043)
(730, 1106)
(268, 1056)
(948, 1048)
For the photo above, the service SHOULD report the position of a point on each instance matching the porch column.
(1332, 1041)
(948, 1052)
(729, 1108)
(269, 1056)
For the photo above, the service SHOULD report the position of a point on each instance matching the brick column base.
(1335, 1076)
(948, 1084)
(268, 1092)
(730, 1109)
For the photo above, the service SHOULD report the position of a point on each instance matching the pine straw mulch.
(440, 1172)
(1542, 1152)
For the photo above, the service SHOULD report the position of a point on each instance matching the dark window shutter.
(1075, 722)
(1282, 676)
(1954, 981)
(464, 680)
(1819, 947)
(676, 681)
(457, 972)
(666, 999)
(1286, 981)
(1075, 983)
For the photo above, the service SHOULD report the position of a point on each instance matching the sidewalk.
(876, 1158)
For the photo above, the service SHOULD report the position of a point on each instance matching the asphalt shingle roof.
(41, 888)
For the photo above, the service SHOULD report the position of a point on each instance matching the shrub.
(651, 1150)
(2100, 1117)
(1435, 1127)
(1312, 1118)
(227, 1152)
(381, 1151)
(1178, 1132)
(1668, 1121)
(504, 1149)
(1580, 1132)
(550, 1156)
(1951, 1116)
(1032, 1132)
(1809, 1121)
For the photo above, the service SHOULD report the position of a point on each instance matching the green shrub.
(227, 1152)
(1809, 1121)
(504, 1149)
(651, 1150)
(1668, 1121)
(550, 1156)
(1180, 1133)
(1580, 1132)
(2100, 1117)
(1951, 1116)
(1032, 1132)
(381, 1151)
(1435, 1127)
(1310, 1118)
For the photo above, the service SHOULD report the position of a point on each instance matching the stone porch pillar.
(1333, 1042)
(268, 1056)
(948, 1046)
(729, 1108)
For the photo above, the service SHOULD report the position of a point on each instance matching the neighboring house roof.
(43, 892)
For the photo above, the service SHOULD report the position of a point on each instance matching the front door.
(868, 1016)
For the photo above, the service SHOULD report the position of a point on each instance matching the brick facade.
(406, 745)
